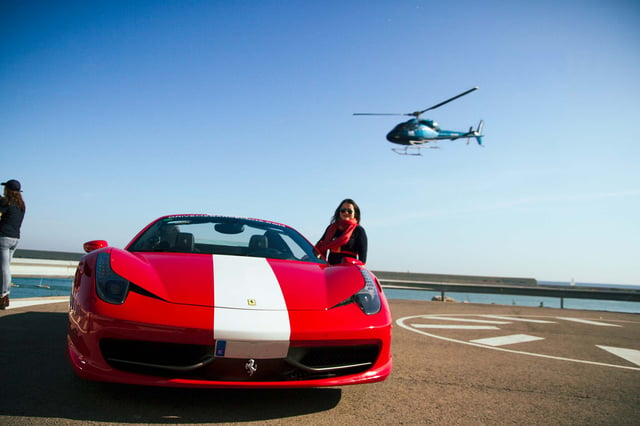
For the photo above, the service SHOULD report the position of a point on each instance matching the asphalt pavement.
(454, 363)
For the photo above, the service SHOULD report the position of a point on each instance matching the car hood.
(238, 282)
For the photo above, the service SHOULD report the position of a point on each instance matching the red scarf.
(329, 243)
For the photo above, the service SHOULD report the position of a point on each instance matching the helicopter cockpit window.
(430, 123)
(407, 125)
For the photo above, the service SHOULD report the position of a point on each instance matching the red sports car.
(211, 301)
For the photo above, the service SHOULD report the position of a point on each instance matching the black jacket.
(11, 219)
(356, 246)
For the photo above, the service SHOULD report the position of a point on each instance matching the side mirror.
(90, 246)
(352, 261)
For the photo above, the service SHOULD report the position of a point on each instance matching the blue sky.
(113, 113)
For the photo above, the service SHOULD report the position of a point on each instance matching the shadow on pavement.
(38, 382)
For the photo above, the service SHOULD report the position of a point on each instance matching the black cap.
(13, 185)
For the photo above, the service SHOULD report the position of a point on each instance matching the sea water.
(23, 287)
(517, 300)
(43, 287)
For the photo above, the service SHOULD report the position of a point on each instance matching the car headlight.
(111, 287)
(368, 298)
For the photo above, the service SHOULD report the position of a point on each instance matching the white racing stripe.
(250, 314)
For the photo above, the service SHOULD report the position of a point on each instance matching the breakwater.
(36, 263)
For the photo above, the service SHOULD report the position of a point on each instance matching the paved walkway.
(27, 302)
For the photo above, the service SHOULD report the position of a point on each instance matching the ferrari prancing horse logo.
(251, 367)
(251, 302)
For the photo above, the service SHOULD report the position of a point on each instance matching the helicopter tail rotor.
(476, 133)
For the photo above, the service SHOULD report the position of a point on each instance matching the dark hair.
(336, 215)
(14, 198)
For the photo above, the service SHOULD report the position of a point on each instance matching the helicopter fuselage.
(416, 132)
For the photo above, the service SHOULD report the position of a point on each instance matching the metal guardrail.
(528, 287)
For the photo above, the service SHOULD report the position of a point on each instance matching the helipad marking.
(469, 320)
(584, 321)
(412, 327)
(507, 340)
(631, 355)
(519, 319)
(455, 327)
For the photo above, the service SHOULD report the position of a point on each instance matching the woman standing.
(12, 211)
(344, 237)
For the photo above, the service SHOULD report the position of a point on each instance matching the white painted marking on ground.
(631, 355)
(455, 327)
(519, 319)
(584, 321)
(436, 317)
(406, 323)
(507, 340)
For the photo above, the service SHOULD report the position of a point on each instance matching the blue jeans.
(7, 248)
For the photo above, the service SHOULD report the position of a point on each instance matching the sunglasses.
(346, 211)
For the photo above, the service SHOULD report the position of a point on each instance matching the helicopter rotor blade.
(377, 113)
(417, 113)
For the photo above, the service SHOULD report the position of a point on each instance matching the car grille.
(197, 362)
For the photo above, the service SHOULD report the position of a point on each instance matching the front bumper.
(127, 344)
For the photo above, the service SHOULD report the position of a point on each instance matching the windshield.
(224, 235)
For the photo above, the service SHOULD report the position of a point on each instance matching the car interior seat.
(184, 242)
(257, 244)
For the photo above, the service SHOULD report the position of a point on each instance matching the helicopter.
(416, 132)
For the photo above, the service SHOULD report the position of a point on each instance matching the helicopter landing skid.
(416, 150)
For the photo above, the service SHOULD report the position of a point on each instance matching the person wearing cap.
(12, 211)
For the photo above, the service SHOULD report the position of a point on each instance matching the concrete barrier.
(23, 267)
